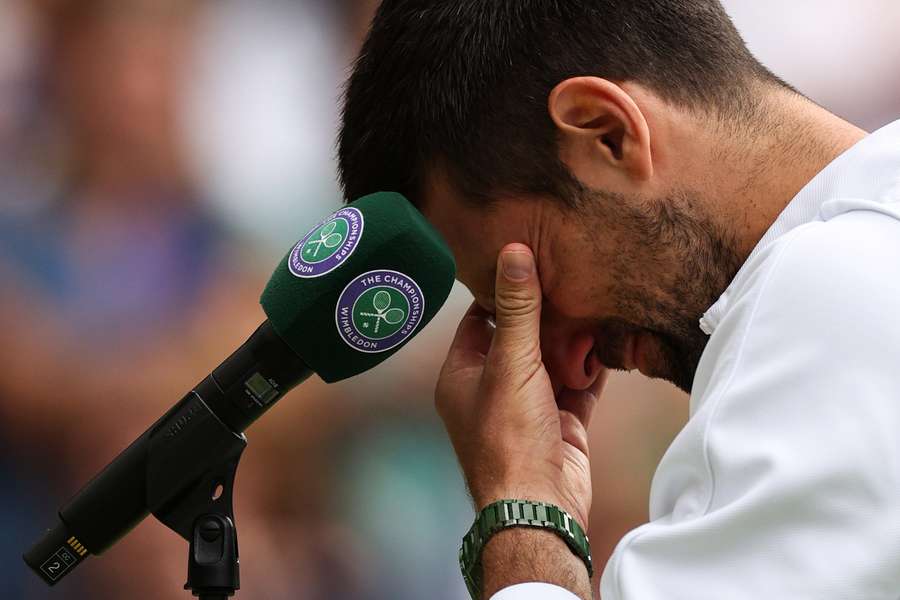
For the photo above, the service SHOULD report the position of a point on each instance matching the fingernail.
(517, 266)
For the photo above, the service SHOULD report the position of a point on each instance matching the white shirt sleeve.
(786, 481)
(534, 591)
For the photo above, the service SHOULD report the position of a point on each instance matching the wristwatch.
(518, 513)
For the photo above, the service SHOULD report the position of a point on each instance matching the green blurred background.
(157, 157)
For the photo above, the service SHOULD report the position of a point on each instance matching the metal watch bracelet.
(518, 513)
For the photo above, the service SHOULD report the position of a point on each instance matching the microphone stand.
(204, 516)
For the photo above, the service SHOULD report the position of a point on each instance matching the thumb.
(517, 301)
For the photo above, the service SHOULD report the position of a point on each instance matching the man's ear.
(602, 131)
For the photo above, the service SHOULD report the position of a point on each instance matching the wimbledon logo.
(328, 245)
(378, 310)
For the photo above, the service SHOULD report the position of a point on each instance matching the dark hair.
(463, 84)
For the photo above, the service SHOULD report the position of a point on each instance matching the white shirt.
(785, 483)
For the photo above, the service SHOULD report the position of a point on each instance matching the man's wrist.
(520, 555)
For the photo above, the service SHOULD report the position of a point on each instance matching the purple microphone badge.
(328, 245)
(379, 310)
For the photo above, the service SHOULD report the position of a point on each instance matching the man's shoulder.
(830, 283)
(851, 252)
(841, 272)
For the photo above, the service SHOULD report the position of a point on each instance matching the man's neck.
(798, 141)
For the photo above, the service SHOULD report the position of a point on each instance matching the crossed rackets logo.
(379, 310)
(328, 245)
(328, 238)
(381, 303)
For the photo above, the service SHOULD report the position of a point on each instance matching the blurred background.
(157, 157)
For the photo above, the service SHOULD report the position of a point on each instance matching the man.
(625, 187)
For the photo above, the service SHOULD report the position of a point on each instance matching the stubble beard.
(670, 264)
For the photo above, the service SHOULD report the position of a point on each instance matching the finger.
(472, 340)
(517, 300)
(582, 403)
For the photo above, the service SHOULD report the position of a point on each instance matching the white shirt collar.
(867, 170)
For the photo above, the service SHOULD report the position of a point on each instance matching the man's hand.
(513, 436)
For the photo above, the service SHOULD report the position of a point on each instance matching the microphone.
(349, 295)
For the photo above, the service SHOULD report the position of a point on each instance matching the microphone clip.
(204, 513)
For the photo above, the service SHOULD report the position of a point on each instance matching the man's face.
(625, 280)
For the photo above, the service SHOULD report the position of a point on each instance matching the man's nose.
(569, 355)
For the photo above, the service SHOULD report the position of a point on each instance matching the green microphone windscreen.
(359, 286)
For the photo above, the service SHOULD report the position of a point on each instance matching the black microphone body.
(195, 435)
